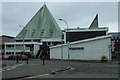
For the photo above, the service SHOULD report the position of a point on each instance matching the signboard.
(76, 48)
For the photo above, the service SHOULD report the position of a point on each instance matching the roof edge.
(85, 40)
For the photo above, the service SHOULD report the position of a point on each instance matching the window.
(33, 32)
(76, 48)
(49, 43)
(117, 40)
(51, 32)
(113, 37)
(117, 37)
(10, 45)
(42, 31)
(25, 32)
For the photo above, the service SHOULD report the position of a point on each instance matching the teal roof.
(94, 24)
(42, 25)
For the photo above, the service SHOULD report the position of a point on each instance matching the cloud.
(77, 14)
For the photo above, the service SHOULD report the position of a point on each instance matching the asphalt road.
(35, 69)
(89, 70)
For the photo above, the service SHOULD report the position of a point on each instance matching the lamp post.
(62, 37)
(24, 32)
(67, 36)
(32, 45)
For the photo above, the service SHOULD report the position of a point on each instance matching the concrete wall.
(93, 50)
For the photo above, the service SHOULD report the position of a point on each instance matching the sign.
(76, 48)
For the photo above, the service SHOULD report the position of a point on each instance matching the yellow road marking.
(72, 68)
(32, 77)
(44, 75)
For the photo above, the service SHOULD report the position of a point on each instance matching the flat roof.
(85, 29)
(21, 43)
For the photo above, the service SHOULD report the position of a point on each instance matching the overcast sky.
(77, 14)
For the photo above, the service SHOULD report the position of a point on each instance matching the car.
(20, 57)
(24, 57)
(11, 57)
(2, 57)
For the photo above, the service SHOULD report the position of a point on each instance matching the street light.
(62, 37)
(24, 33)
(32, 45)
(67, 36)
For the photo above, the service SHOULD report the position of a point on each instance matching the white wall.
(55, 53)
(36, 48)
(93, 50)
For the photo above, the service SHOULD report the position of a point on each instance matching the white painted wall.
(93, 50)
(55, 53)
(36, 48)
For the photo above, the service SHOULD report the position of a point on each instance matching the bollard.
(43, 57)
(103, 58)
(17, 59)
(27, 60)
(43, 61)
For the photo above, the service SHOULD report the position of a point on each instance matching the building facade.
(41, 32)
(84, 43)
(115, 41)
(76, 34)
(42, 35)
(87, 49)
(3, 40)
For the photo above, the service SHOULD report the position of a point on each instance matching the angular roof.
(42, 25)
(94, 24)
(83, 41)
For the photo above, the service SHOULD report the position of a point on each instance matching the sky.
(76, 14)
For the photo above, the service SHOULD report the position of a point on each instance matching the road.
(35, 69)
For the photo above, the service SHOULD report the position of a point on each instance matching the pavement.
(54, 69)
(34, 67)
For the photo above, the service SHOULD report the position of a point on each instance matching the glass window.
(25, 32)
(42, 31)
(51, 32)
(33, 32)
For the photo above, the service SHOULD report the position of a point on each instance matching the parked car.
(2, 57)
(24, 57)
(11, 57)
(20, 57)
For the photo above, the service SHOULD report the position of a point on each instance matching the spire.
(94, 24)
(44, 25)
(44, 2)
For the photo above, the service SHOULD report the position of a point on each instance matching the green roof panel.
(94, 24)
(42, 25)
